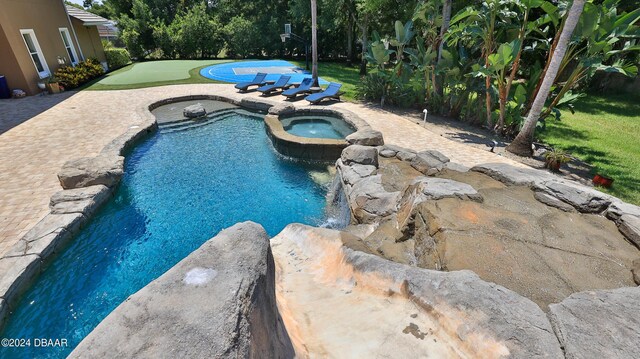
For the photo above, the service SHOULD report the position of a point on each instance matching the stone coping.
(21, 265)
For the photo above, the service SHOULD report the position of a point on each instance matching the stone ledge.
(599, 324)
(629, 226)
(17, 273)
(217, 302)
(21, 264)
(123, 143)
(84, 200)
(512, 175)
(582, 198)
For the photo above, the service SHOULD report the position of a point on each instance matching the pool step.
(184, 125)
(183, 120)
(194, 124)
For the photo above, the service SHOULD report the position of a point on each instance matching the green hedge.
(72, 77)
(117, 57)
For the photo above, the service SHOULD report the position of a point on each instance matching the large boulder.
(416, 312)
(630, 226)
(90, 171)
(364, 155)
(219, 302)
(429, 162)
(406, 155)
(437, 188)
(354, 173)
(369, 201)
(600, 324)
(283, 108)
(366, 138)
(194, 111)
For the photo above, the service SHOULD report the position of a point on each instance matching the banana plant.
(423, 60)
(486, 26)
(403, 36)
(504, 85)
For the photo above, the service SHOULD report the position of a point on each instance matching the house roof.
(87, 18)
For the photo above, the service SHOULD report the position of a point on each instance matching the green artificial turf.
(604, 132)
(154, 73)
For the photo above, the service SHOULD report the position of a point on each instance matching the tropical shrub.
(117, 57)
(484, 61)
(71, 77)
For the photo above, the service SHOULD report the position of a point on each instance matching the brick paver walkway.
(32, 152)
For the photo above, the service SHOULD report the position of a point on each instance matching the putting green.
(155, 71)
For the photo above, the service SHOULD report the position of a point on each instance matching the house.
(38, 36)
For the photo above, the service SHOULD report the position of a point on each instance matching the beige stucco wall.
(45, 17)
(9, 66)
(89, 39)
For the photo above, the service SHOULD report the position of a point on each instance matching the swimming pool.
(317, 126)
(181, 186)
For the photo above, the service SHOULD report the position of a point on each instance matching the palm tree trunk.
(349, 42)
(446, 19)
(554, 45)
(314, 42)
(521, 145)
(487, 93)
(365, 29)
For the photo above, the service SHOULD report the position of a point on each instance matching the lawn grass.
(154, 73)
(604, 132)
(339, 72)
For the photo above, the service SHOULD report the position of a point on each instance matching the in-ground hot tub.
(311, 134)
(317, 126)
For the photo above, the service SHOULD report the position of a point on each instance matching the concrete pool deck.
(80, 126)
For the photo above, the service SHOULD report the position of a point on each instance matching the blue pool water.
(181, 187)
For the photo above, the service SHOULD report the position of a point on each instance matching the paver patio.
(33, 152)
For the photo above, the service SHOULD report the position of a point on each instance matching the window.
(66, 40)
(35, 52)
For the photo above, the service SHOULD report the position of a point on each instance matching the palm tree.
(521, 145)
(446, 19)
(314, 42)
